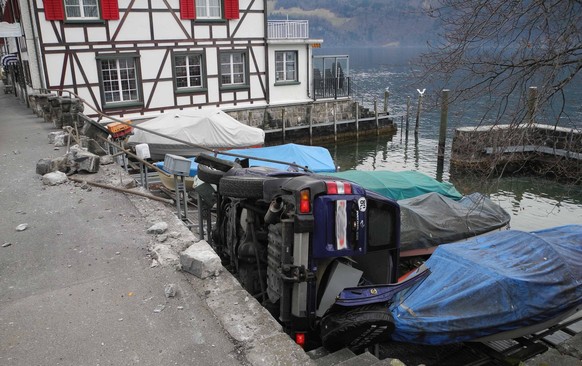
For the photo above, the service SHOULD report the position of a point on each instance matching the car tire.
(356, 328)
(209, 175)
(242, 186)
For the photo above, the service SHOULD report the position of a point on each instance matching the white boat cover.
(209, 128)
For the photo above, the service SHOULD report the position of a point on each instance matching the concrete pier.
(549, 151)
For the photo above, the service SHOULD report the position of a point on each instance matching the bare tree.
(494, 50)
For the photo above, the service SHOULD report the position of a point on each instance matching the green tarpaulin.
(399, 185)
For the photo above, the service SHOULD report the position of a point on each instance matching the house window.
(119, 80)
(188, 71)
(285, 66)
(208, 9)
(82, 9)
(233, 68)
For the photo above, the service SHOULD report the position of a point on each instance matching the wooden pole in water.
(334, 122)
(386, 96)
(420, 95)
(376, 116)
(532, 102)
(357, 119)
(283, 123)
(407, 113)
(442, 134)
(443, 126)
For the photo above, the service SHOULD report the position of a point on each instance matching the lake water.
(534, 203)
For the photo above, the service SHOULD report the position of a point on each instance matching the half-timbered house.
(134, 58)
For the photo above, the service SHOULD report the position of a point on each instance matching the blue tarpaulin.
(491, 284)
(316, 158)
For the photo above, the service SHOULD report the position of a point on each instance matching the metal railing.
(288, 29)
(331, 87)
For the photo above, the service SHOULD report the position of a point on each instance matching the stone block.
(200, 260)
(83, 161)
(54, 178)
(44, 166)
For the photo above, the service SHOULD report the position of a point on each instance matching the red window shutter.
(187, 9)
(109, 10)
(231, 10)
(53, 9)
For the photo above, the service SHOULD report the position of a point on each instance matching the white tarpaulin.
(209, 128)
(10, 30)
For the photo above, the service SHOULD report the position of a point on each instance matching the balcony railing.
(288, 29)
(324, 88)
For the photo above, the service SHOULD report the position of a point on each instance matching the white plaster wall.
(89, 63)
(165, 27)
(252, 27)
(150, 63)
(136, 27)
(74, 35)
(97, 34)
(295, 92)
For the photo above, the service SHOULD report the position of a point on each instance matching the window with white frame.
(119, 80)
(188, 70)
(208, 9)
(285, 66)
(82, 9)
(233, 68)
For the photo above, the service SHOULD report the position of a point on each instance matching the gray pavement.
(76, 287)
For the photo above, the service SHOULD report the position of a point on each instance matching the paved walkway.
(76, 287)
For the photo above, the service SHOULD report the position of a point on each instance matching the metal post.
(532, 102)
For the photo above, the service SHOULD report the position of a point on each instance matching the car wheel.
(209, 175)
(242, 186)
(356, 328)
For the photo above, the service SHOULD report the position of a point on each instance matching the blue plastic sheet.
(487, 285)
(316, 158)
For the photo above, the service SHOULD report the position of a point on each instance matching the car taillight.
(337, 187)
(300, 339)
(304, 201)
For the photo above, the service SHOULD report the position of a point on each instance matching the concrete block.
(243, 317)
(277, 350)
(200, 260)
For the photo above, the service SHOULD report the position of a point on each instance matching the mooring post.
(420, 95)
(532, 102)
(283, 123)
(376, 116)
(443, 126)
(442, 134)
(310, 116)
(334, 122)
(407, 113)
(386, 96)
(357, 119)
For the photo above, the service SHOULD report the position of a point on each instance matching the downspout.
(266, 37)
(36, 50)
(307, 49)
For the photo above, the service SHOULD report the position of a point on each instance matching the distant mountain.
(360, 22)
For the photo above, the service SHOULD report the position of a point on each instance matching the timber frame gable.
(142, 56)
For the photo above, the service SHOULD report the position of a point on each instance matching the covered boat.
(315, 158)
(497, 286)
(205, 128)
(399, 185)
(431, 219)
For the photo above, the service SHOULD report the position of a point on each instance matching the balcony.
(288, 29)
